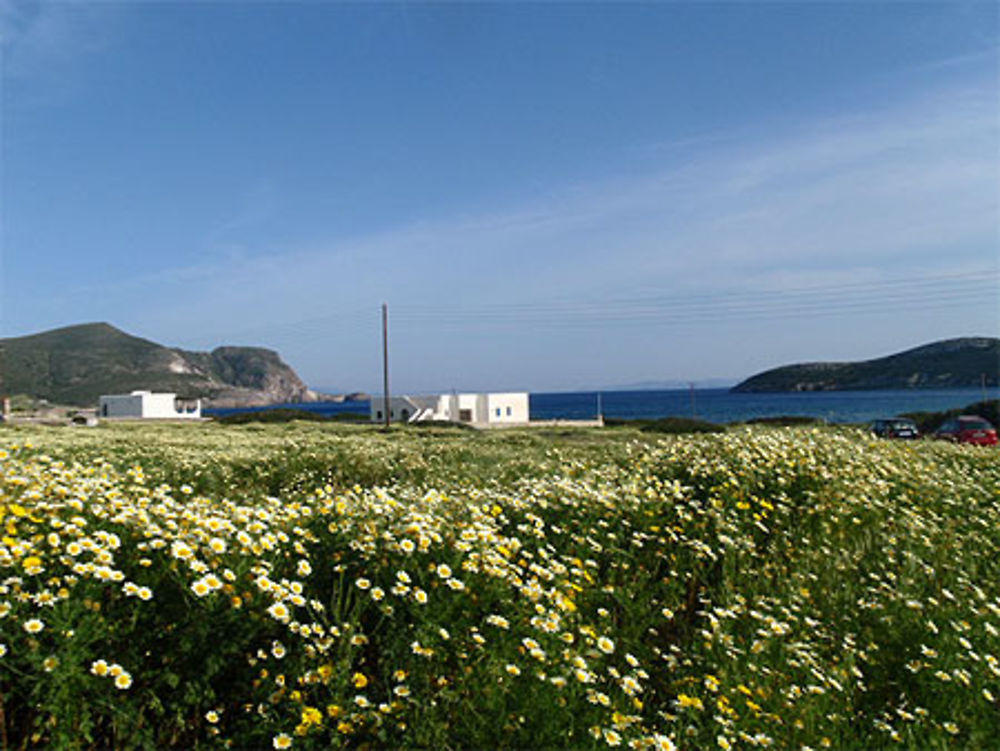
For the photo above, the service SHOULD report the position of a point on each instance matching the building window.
(498, 412)
(509, 412)
(404, 415)
(465, 415)
(378, 415)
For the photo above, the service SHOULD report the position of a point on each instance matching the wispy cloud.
(908, 189)
(44, 44)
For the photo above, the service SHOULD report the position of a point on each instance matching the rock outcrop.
(76, 364)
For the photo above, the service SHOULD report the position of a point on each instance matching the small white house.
(476, 409)
(145, 405)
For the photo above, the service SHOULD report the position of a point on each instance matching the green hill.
(954, 363)
(76, 364)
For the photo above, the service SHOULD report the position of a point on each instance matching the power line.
(673, 297)
(742, 305)
(661, 308)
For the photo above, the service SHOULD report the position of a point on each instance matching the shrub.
(786, 421)
(682, 425)
(280, 414)
(445, 424)
(668, 425)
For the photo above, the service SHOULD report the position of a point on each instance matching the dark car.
(968, 429)
(895, 427)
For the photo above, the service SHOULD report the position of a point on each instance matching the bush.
(682, 425)
(447, 424)
(350, 417)
(674, 425)
(786, 421)
(288, 415)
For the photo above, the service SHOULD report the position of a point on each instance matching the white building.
(150, 406)
(476, 409)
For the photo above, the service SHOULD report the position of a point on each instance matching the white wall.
(164, 406)
(377, 409)
(146, 405)
(469, 403)
(507, 408)
(401, 408)
(456, 406)
(475, 408)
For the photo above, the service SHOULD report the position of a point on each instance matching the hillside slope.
(76, 364)
(953, 363)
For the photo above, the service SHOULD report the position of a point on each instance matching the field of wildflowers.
(313, 586)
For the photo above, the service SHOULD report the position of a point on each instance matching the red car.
(968, 429)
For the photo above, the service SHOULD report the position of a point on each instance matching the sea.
(714, 405)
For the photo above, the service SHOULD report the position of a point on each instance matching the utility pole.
(385, 364)
(4, 397)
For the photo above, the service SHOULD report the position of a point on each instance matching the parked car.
(968, 429)
(895, 427)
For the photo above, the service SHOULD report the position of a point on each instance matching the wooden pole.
(4, 399)
(385, 363)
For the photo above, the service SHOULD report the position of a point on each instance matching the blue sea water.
(722, 406)
(715, 405)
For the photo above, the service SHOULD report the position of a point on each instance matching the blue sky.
(549, 196)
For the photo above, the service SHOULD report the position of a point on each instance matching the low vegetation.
(668, 425)
(280, 414)
(312, 585)
(786, 421)
(928, 422)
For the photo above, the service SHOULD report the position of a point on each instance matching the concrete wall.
(402, 408)
(147, 405)
(469, 407)
(477, 409)
(507, 408)
(166, 406)
(120, 405)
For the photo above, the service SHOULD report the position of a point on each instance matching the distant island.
(671, 385)
(75, 365)
(953, 363)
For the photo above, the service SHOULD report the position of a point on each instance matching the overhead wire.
(815, 301)
(660, 308)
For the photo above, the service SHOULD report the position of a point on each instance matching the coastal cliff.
(76, 364)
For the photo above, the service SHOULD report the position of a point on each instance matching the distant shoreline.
(714, 405)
